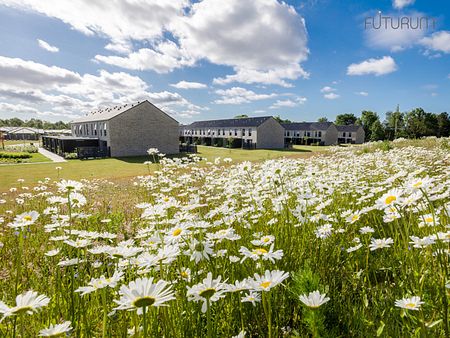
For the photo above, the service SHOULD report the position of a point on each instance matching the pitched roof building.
(250, 132)
(319, 133)
(351, 134)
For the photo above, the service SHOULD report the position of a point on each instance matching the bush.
(22, 148)
(70, 156)
(14, 155)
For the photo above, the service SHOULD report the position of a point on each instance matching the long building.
(316, 133)
(119, 131)
(252, 132)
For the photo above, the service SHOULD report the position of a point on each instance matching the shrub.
(14, 155)
(28, 148)
(70, 156)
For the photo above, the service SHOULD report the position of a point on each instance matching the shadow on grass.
(142, 159)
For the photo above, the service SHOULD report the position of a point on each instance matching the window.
(349, 134)
(298, 134)
(230, 132)
(235, 132)
(250, 132)
(243, 132)
(288, 133)
(320, 134)
(308, 134)
(343, 134)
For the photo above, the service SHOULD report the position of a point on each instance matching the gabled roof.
(230, 123)
(104, 114)
(351, 128)
(307, 125)
(25, 130)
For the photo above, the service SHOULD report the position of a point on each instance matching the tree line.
(33, 123)
(412, 124)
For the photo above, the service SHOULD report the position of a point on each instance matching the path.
(50, 155)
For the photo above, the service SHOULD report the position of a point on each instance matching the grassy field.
(120, 168)
(351, 244)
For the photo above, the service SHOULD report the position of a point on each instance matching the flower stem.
(105, 313)
(144, 310)
(208, 318)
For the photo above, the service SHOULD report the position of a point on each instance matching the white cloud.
(399, 4)
(189, 85)
(263, 41)
(378, 67)
(362, 93)
(288, 103)
(50, 89)
(395, 40)
(327, 89)
(238, 95)
(438, 41)
(331, 96)
(47, 46)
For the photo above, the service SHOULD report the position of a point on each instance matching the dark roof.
(67, 137)
(350, 128)
(307, 125)
(238, 123)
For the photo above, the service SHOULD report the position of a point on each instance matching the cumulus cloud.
(189, 85)
(327, 89)
(438, 41)
(362, 93)
(23, 81)
(399, 4)
(238, 95)
(389, 34)
(47, 46)
(263, 41)
(331, 96)
(288, 103)
(384, 65)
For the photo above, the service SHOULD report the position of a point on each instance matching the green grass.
(120, 168)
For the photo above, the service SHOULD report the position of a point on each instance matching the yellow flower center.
(260, 251)
(390, 199)
(27, 218)
(410, 305)
(265, 285)
(176, 232)
(166, 199)
(266, 239)
(429, 219)
(355, 218)
(417, 184)
(144, 301)
(184, 274)
(207, 293)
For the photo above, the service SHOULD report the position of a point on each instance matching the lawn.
(120, 168)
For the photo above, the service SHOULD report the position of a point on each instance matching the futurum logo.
(380, 21)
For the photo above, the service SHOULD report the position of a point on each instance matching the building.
(248, 133)
(351, 134)
(310, 133)
(29, 133)
(119, 131)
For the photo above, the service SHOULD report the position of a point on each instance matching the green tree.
(395, 125)
(242, 116)
(345, 119)
(368, 118)
(322, 119)
(419, 123)
(377, 132)
(443, 125)
(280, 120)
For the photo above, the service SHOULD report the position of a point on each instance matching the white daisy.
(56, 330)
(314, 299)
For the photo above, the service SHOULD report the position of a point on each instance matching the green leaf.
(380, 329)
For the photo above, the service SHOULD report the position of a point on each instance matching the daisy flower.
(100, 283)
(56, 330)
(380, 243)
(412, 303)
(144, 292)
(389, 199)
(24, 219)
(366, 230)
(314, 299)
(252, 297)
(69, 186)
(27, 302)
(267, 281)
(263, 241)
(209, 289)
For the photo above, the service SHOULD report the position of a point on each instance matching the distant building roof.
(351, 128)
(24, 130)
(106, 113)
(307, 125)
(232, 123)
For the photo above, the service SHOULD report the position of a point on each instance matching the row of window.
(220, 132)
(89, 129)
(305, 134)
(349, 134)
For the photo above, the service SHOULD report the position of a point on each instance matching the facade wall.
(356, 137)
(270, 135)
(144, 126)
(331, 136)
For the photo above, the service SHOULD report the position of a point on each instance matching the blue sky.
(213, 59)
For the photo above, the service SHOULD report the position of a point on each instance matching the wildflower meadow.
(350, 243)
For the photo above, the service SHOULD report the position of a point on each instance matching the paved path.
(50, 155)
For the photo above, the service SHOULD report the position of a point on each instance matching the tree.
(368, 118)
(345, 119)
(322, 119)
(377, 132)
(280, 120)
(395, 125)
(242, 116)
(419, 123)
(443, 125)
